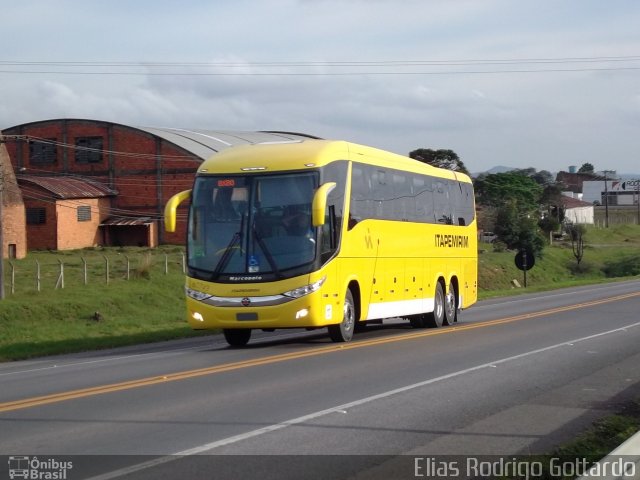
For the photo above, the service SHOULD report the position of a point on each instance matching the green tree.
(515, 187)
(551, 202)
(549, 224)
(440, 158)
(586, 168)
(518, 231)
(577, 242)
(543, 177)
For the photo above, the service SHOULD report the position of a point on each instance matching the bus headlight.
(306, 290)
(196, 295)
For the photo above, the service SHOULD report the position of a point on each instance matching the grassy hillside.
(608, 254)
(149, 306)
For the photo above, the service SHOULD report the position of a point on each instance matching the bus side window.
(441, 203)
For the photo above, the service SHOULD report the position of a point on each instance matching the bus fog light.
(302, 313)
(197, 316)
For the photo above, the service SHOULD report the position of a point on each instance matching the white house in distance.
(577, 211)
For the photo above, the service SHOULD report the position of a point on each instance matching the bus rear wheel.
(450, 306)
(343, 331)
(435, 319)
(237, 337)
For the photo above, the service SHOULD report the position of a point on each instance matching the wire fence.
(57, 271)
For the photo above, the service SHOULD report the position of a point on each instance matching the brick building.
(64, 213)
(91, 182)
(14, 234)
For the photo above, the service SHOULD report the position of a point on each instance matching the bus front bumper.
(275, 311)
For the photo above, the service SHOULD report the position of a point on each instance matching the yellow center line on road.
(170, 377)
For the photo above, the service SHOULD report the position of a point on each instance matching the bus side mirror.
(319, 204)
(170, 210)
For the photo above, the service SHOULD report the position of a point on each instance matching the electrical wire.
(145, 156)
(297, 68)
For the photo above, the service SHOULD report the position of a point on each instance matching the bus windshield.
(249, 226)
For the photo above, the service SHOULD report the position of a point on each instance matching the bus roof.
(306, 154)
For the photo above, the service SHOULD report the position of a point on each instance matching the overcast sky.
(521, 83)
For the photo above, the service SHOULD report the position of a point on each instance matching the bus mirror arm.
(171, 207)
(319, 205)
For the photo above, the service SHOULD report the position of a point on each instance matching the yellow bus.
(319, 233)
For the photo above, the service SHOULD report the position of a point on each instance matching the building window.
(43, 152)
(89, 149)
(36, 216)
(84, 214)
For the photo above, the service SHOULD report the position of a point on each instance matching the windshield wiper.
(267, 253)
(226, 256)
(228, 251)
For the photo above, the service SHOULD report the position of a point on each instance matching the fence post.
(37, 275)
(13, 278)
(184, 263)
(84, 269)
(128, 265)
(60, 282)
(166, 264)
(106, 269)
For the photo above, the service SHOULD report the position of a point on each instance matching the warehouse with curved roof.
(139, 167)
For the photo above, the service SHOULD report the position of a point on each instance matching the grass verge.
(576, 457)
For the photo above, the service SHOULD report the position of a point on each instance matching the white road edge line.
(345, 406)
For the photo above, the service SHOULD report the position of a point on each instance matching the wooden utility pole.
(606, 198)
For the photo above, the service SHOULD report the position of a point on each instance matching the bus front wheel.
(343, 331)
(237, 337)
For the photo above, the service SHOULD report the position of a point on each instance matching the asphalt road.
(516, 375)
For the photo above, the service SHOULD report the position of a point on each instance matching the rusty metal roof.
(67, 187)
(569, 202)
(127, 221)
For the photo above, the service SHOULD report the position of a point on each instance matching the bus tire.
(450, 306)
(435, 319)
(343, 331)
(237, 337)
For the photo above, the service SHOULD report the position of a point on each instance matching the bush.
(581, 268)
(143, 270)
(624, 267)
(499, 246)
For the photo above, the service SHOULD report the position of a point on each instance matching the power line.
(136, 155)
(297, 68)
(348, 63)
(74, 203)
(321, 74)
